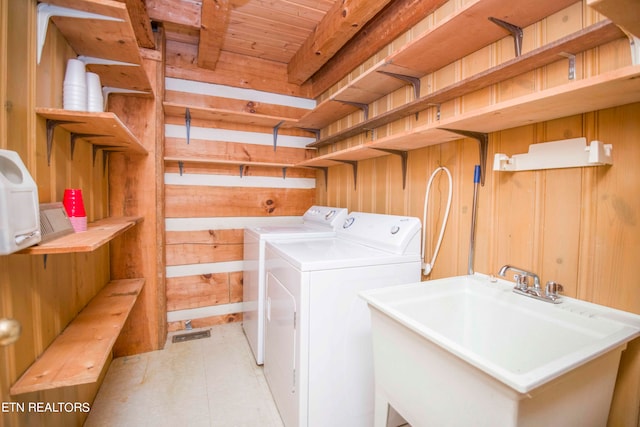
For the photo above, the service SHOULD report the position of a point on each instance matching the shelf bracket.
(104, 149)
(324, 169)
(316, 132)
(108, 90)
(483, 145)
(187, 123)
(51, 126)
(89, 60)
(354, 167)
(572, 64)
(360, 105)
(284, 172)
(515, 31)
(275, 135)
(44, 260)
(414, 81)
(634, 44)
(241, 171)
(76, 136)
(181, 167)
(404, 156)
(46, 11)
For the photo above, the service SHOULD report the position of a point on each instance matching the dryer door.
(280, 349)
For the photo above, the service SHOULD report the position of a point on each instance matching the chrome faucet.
(550, 294)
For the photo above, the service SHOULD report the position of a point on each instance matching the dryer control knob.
(395, 229)
(330, 214)
(348, 222)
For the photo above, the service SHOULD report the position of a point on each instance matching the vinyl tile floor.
(212, 382)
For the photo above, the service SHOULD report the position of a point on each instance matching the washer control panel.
(325, 215)
(387, 232)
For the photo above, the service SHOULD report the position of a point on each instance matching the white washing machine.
(318, 351)
(317, 221)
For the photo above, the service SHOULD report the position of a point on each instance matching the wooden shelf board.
(79, 353)
(114, 40)
(590, 37)
(98, 233)
(103, 128)
(610, 89)
(221, 115)
(227, 162)
(625, 13)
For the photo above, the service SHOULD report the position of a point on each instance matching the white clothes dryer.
(318, 350)
(317, 221)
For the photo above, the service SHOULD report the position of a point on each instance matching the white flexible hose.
(429, 266)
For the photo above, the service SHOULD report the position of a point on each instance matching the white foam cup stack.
(74, 94)
(95, 100)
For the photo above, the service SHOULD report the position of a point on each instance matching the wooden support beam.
(214, 19)
(342, 21)
(140, 22)
(395, 19)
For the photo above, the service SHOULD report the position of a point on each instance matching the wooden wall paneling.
(198, 291)
(256, 73)
(200, 201)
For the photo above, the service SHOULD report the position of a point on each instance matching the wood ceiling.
(319, 41)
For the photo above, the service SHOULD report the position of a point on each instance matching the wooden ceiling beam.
(181, 12)
(398, 17)
(214, 20)
(340, 24)
(141, 23)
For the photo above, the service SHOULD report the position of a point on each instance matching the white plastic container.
(19, 209)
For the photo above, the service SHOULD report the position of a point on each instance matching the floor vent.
(191, 336)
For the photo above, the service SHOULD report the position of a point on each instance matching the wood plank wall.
(209, 204)
(44, 298)
(576, 226)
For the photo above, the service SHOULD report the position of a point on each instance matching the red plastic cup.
(73, 203)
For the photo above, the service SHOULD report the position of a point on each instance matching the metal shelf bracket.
(46, 11)
(515, 31)
(181, 167)
(51, 126)
(572, 64)
(414, 81)
(404, 156)
(483, 145)
(354, 166)
(187, 123)
(275, 135)
(324, 169)
(361, 106)
(76, 136)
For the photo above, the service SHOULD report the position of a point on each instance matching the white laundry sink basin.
(505, 358)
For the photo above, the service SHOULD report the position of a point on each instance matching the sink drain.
(191, 336)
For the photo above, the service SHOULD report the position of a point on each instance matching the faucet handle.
(552, 289)
(522, 281)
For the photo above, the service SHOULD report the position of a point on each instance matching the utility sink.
(467, 351)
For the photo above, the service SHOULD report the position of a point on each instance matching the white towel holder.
(566, 153)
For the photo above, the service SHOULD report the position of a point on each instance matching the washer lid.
(291, 231)
(334, 253)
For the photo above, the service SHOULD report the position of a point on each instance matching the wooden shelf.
(610, 89)
(99, 129)
(228, 162)
(462, 33)
(98, 233)
(79, 353)
(111, 40)
(625, 13)
(231, 110)
(588, 38)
